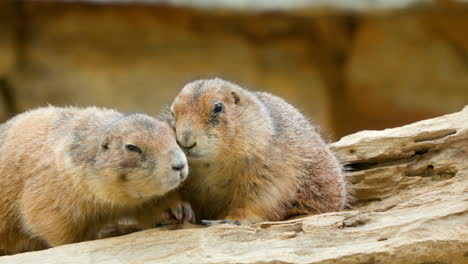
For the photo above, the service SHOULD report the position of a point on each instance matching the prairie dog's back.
(24, 135)
(287, 121)
(33, 147)
(20, 137)
(47, 131)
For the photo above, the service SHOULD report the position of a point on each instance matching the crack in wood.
(430, 136)
(362, 166)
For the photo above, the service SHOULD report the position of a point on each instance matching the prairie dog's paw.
(180, 212)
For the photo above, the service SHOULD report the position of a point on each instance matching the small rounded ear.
(236, 97)
(105, 143)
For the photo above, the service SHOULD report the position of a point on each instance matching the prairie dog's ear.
(236, 97)
(110, 140)
(106, 142)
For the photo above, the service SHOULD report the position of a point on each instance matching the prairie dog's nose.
(179, 162)
(178, 166)
(187, 140)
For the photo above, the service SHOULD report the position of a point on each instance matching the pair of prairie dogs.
(67, 172)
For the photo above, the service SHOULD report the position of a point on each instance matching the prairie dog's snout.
(187, 140)
(179, 163)
(186, 137)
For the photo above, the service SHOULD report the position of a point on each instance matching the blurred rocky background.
(349, 65)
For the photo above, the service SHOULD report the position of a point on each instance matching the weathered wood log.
(411, 184)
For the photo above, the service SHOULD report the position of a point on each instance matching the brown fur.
(65, 172)
(260, 159)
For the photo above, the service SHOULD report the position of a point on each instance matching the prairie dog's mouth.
(175, 179)
(183, 175)
(194, 154)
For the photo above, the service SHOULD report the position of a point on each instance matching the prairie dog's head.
(138, 158)
(210, 118)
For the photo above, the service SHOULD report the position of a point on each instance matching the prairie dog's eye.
(218, 109)
(133, 148)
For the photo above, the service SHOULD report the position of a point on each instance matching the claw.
(182, 212)
(193, 219)
(218, 222)
(178, 212)
(189, 216)
(207, 222)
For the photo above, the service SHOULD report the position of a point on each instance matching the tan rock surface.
(137, 58)
(7, 37)
(8, 51)
(343, 69)
(412, 187)
(413, 63)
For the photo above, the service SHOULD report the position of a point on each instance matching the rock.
(8, 56)
(411, 183)
(412, 62)
(390, 161)
(7, 37)
(342, 68)
(137, 58)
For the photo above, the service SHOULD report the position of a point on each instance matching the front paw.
(180, 212)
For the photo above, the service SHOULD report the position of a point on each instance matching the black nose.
(178, 167)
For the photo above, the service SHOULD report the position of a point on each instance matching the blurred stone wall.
(7, 55)
(347, 70)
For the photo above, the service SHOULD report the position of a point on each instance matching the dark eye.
(133, 148)
(218, 109)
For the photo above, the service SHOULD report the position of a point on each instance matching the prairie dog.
(65, 172)
(253, 156)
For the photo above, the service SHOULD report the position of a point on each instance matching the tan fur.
(260, 159)
(65, 172)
